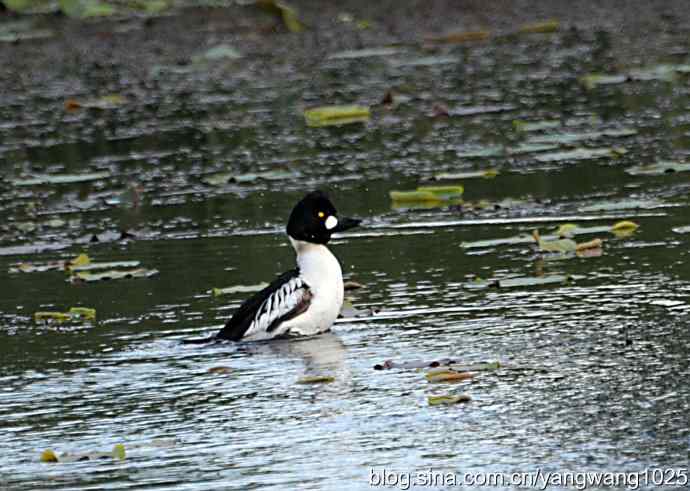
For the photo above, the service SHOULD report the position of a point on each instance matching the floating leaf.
(364, 53)
(580, 154)
(217, 53)
(104, 265)
(219, 370)
(88, 277)
(316, 379)
(540, 27)
(217, 292)
(658, 169)
(558, 245)
(60, 178)
(336, 115)
(86, 8)
(593, 80)
(74, 314)
(48, 456)
(447, 375)
(459, 37)
(28, 267)
(286, 13)
(119, 452)
(487, 174)
(566, 230)
(428, 194)
(624, 228)
(590, 244)
(448, 400)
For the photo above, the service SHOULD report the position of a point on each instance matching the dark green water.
(595, 370)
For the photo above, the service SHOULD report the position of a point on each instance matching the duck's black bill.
(346, 223)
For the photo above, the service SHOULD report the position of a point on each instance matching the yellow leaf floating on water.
(447, 375)
(428, 194)
(566, 229)
(560, 245)
(448, 400)
(119, 452)
(336, 115)
(316, 379)
(624, 228)
(80, 260)
(73, 314)
(592, 244)
(48, 456)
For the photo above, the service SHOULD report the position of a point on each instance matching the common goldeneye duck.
(305, 300)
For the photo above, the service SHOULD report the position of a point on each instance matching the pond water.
(593, 372)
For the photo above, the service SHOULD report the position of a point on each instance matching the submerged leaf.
(316, 379)
(88, 277)
(217, 292)
(60, 178)
(658, 169)
(448, 399)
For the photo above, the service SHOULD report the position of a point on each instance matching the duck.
(306, 300)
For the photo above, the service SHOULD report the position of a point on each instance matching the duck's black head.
(314, 219)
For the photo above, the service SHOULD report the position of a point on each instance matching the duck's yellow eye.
(321, 214)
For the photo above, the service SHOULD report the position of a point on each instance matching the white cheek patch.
(331, 222)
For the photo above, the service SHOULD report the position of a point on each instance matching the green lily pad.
(336, 115)
(40, 179)
(658, 169)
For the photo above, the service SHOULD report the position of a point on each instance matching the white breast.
(320, 269)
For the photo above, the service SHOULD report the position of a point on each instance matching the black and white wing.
(259, 316)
